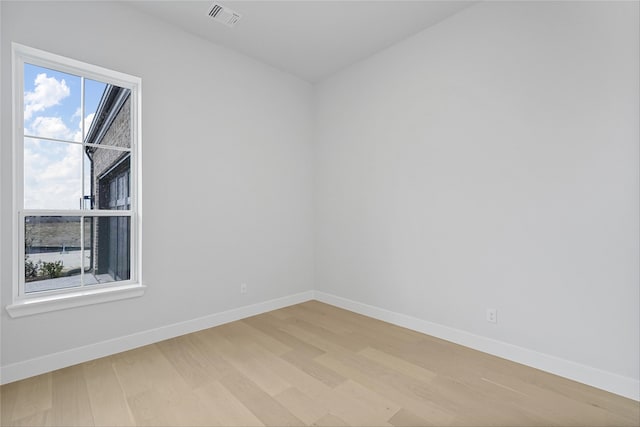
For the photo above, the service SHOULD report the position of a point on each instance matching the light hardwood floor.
(308, 364)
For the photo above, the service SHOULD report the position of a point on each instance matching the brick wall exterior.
(103, 161)
(118, 135)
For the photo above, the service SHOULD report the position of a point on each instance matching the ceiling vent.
(224, 15)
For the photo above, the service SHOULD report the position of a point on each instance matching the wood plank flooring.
(308, 364)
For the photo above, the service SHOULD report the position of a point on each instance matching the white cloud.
(52, 169)
(54, 127)
(50, 127)
(52, 172)
(48, 92)
(67, 169)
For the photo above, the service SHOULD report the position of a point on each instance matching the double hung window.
(76, 183)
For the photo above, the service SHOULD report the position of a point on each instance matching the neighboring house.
(110, 175)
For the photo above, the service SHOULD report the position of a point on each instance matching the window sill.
(31, 306)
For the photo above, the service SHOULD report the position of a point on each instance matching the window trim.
(40, 302)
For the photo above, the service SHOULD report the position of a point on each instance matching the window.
(76, 183)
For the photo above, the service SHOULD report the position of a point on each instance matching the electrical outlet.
(492, 315)
(243, 288)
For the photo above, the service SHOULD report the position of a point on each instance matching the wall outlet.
(492, 315)
(243, 288)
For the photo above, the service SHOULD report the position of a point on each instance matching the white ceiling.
(310, 39)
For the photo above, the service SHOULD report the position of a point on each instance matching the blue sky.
(52, 109)
(62, 104)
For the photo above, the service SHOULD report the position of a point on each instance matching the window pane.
(110, 254)
(108, 113)
(52, 174)
(109, 174)
(52, 253)
(93, 91)
(51, 104)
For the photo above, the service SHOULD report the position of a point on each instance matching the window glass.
(52, 178)
(110, 255)
(93, 91)
(51, 104)
(53, 253)
(76, 142)
(108, 122)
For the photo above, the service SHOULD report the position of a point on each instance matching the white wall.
(491, 161)
(227, 174)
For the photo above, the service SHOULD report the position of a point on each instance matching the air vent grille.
(224, 15)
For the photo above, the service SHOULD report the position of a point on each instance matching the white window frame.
(24, 304)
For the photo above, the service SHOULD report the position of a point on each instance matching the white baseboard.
(614, 383)
(627, 387)
(51, 362)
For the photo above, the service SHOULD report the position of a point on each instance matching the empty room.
(329, 213)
